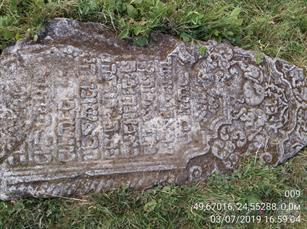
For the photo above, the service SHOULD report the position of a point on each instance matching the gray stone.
(81, 111)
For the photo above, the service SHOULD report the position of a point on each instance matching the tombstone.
(81, 111)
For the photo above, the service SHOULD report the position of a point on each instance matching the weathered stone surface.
(81, 111)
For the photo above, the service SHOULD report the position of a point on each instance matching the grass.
(274, 27)
(173, 206)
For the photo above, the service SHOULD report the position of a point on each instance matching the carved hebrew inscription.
(76, 119)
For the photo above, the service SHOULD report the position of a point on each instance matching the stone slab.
(81, 111)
